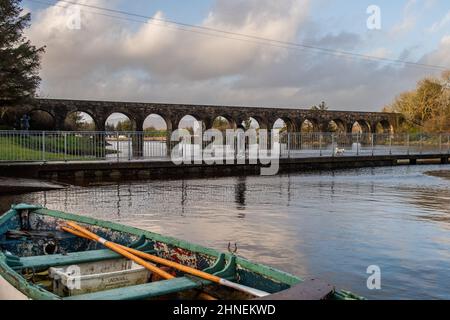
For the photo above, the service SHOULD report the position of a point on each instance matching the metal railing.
(47, 146)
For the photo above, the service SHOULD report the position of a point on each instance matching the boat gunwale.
(267, 271)
(35, 292)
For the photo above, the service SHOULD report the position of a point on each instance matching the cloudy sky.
(133, 58)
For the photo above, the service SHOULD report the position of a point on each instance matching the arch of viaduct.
(173, 113)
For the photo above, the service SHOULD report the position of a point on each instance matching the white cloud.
(441, 55)
(408, 22)
(107, 44)
(110, 59)
(381, 53)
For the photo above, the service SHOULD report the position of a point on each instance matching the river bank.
(11, 185)
(165, 169)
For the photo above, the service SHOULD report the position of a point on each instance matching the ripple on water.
(331, 225)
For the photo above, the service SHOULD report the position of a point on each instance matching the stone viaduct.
(173, 113)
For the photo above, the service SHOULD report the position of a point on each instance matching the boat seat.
(221, 268)
(45, 262)
(144, 291)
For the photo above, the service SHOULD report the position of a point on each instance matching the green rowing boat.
(40, 260)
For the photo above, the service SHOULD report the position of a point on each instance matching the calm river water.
(327, 225)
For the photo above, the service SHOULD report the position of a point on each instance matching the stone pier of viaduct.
(60, 109)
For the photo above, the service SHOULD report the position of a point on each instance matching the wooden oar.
(163, 274)
(168, 263)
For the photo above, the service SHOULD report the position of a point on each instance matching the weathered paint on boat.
(256, 275)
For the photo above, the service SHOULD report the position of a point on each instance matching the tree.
(443, 118)
(76, 121)
(321, 107)
(19, 59)
(124, 125)
(150, 129)
(220, 123)
(247, 124)
(284, 128)
(427, 107)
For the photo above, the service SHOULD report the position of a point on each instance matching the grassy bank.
(54, 148)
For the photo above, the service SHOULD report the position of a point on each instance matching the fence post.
(448, 144)
(407, 144)
(420, 143)
(357, 144)
(65, 146)
(130, 151)
(102, 142)
(168, 143)
(320, 144)
(236, 146)
(440, 143)
(390, 144)
(43, 146)
(193, 149)
(332, 144)
(117, 145)
(289, 145)
(373, 144)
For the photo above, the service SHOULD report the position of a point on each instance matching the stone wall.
(173, 113)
